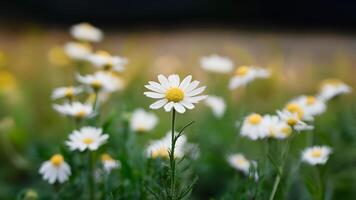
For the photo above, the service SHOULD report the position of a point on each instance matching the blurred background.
(302, 42)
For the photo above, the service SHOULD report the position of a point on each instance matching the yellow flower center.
(240, 161)
(175, 94)
(86, 26)
(295, 108)
(291, 122)
(57, 160)
(242, 71)
(88, 141)
(81, 114)
(254, 119)
(96, 84)
(106, 157)
(334, 82)
(310, 100)
(161, 152)
(69, 92)
(316, 153)
(286, 130)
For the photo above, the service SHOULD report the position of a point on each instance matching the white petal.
(186, 81)
(173, 80)
(187, 104)
(153, 88)
(196, 91)
(168, 107)
(179, 108)
(158, 104)
(192, 86)
(164, 81)
(196, 99)
(154, 95)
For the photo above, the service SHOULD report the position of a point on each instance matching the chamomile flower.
(293, 120)
(109, 163)
(86, 32)
(101, 81)
(74, 109)
(217, 64)
(142, 121)
(239, 162)
(90, 138)
(217, 105)
(310, 106)
(254, 127)
(77, 51)
(245, 75)
(66, 92)
(174, 94)
(160, 148)
(55, 169)
(316, 155)
(276, 127)
(103, 60)
(331, 88)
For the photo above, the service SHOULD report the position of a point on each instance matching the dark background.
(313, 14)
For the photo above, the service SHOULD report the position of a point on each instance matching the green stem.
(90, 175)
(277, 180)
(171, 155)
(95, 101)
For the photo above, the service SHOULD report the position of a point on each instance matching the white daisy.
(160, 148)
(104, 60)
(142, 121)
(86, 32)
(67, 92)
(74, 109)
(101, 81)
(316, 155)
(239, 162)
(55, 169)
(77, 51)
(310, 106)
(217, 64)
(254, 127)
(86, 138)
(217, 105)
(245, 74)
(331, 88)
(276, 127)
(293, 120)
(109, 163)
(175, 94)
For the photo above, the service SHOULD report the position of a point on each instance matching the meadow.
(130, 160)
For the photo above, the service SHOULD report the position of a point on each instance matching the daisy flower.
(175, 94)
(239, 162)
(66, 92)
(55, 169)
(217, 64)
(316, 155)
(90, 138)
(109, 163)
(293, 120)
(310, 106)
(101, 81)
(142, 121)
(77, 51)
(103, 60)
(160, 148)
(245, 75)
(254, 127)
(86, 32)
(332, 87)
(276, 127)
(74, 109)
(217, 105)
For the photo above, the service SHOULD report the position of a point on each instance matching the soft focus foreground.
(32, 64)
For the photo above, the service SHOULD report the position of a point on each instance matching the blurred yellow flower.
(7, 81)
(57, 56)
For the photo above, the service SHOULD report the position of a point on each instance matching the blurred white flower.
(86, 32)
(174, 94)
(66, 92)
(316, 155)
(217, 64)
(101, 81)
(217, 105)
(90, 138)
(103, 60)
(293, 120)
(276, 127)
(331, 88)
(254, 127)
(159, 148)
(77, 51)
(310, 105)
(109, 163)
(142, 121)
(239, 162)
(245, 74)
(74, 109)
(55, 169)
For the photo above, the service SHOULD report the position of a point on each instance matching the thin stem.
(90, 175)
(171, 155)
(277, 180)
(95, 100)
